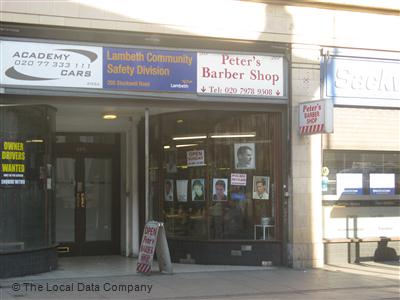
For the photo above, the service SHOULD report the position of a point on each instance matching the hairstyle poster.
(169, 190)
(181, 190)
(220, 189)
(245, 156)
(261, 187)
(198, 191)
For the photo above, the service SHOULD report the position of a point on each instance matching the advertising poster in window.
(181, 190)
(220, 189)
(349, 184)
(56, 65)
(198, 190)
(382, 184)
(149, 70)
(245, 156)
(195, 158)
(238, 179)
(12, 163)
(169, 190)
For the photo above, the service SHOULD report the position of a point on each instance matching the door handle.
(83, 200)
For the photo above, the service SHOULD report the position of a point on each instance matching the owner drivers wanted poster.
(12, 163)
(154, 240)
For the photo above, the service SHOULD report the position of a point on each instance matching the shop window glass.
(26, 193)
(205, 170)
(374, 173)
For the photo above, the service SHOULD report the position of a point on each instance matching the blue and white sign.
(362, 81)
(349, 184)
(54, 65)
(149, 70)
(381, 184)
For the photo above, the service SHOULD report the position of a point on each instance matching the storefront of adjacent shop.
(361, 159)
(208, 153)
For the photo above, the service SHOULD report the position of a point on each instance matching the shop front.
(361, 159)
(215, 183)
(199, 143)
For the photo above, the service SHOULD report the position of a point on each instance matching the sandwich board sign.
(154, 240)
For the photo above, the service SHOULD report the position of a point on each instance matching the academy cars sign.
(55, 65)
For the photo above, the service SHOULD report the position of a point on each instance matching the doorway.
(87, 194)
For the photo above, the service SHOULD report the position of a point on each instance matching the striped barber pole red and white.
(143, 268)
(311, 129)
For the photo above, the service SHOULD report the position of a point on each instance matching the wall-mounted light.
(167, 146)
(109, 116)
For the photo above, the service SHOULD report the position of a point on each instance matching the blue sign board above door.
(149, 70)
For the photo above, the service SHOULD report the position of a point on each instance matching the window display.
(181, 190)
(361, 173)
(220, 189)
(244, 156)
(261, 187)
(169, 190)
(224, 166)
(198, 189)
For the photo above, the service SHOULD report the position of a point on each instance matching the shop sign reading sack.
(154, 240)
(316, 117)
(362, 81)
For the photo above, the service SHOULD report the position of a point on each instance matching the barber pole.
(143, 268)
(316, 117)
(310, 129)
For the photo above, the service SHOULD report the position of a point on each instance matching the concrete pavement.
(364, 281)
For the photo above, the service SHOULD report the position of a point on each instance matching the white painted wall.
(224, 19)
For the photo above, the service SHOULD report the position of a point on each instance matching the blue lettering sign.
(149, 70)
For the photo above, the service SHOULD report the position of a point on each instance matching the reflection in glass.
(361, 162)
(98, 174)
(65, 200)
(26, 210)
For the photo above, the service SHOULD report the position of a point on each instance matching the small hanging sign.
(316, 117)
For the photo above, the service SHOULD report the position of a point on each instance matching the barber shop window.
(375, 174)
(214, 175)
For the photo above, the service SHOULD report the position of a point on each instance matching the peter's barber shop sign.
(316, 117)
